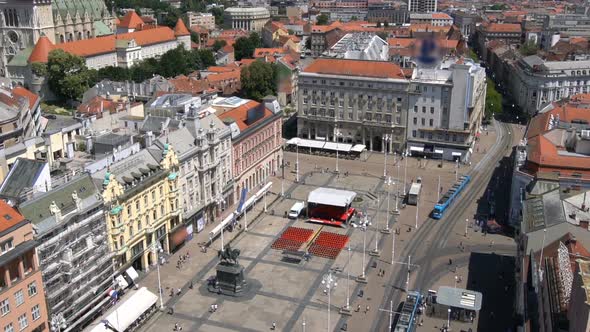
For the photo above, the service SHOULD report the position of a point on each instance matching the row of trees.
(244, 46)
(68, 77)
(493, 100)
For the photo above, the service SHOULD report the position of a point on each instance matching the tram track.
(443, 228)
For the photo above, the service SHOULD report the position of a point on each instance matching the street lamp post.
(386, 230)
(303, 324)
(363, 278)
(375, 252)
(267, 170)
(438, 190)
(219, 202)
(297, 160)
(329, 283)
(346, 309)
(386, 139)
(405, 170)
(337, 135)
(449, 319)
(156, 250)
(417, 210)
(456, 170)
(395, 210)
(466, 224)
(392, 247)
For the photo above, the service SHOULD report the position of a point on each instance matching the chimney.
(272, 104)
(149, 139)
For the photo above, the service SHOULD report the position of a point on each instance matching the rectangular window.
(423, 121)
(415, 109)
(9, 328)
(423, 109)
(432, 110)
(431, 122)
(398, 120)
(19, 297)
(4, 307)
(304, 101)
(22, 321)
(413, 133)
(421, 134)
(415, 121)
(6, 245)
(36, 312)
(350, 116)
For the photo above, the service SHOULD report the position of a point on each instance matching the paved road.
(430, 240)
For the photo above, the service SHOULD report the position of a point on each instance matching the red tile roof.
(441, 16)
(545, 157)
(261, 52)
(231, 75)
(41, 50)
(240, 115)
(149, 37)
(503, 27)
(180, 28)
(131, 21)
(374, 69)
(9, 217)
(100, 45)
(22, 92)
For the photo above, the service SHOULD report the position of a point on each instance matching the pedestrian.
(178, 291)
(216, 306)
(274, 326)
(450, 261)
(492, 243)
(367, 309)
(211, 308)
(358, 308)
(175, 327)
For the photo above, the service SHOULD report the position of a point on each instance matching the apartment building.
(353, 101)
(422, 6)
(22, 294)
(205, 176)
(75, 260)
(445, 108)
(204, 20)
(142, 207)
(20, 115)
(256, 131)
(536, 82)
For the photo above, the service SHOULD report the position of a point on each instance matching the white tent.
(329, 196)
(129, 311)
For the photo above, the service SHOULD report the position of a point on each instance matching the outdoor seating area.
(292, 238)
(326, 149)
(328, 245)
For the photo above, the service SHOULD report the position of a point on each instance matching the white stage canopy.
(329, 196)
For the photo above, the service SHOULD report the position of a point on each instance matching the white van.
(296, 210)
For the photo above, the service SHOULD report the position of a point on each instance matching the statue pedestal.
(230, 278)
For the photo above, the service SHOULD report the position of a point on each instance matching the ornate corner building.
(22, 23)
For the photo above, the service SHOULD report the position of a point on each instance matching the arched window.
(79, 35)
(87, 34)
(61, 38)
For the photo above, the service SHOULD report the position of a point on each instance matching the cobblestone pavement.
(290, 294)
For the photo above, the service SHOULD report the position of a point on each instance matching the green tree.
(385, 24)
(259, 80)
(528, 48)
(245, 46)
(383, 35)
(144, 70)
(219, 44)
(290, 31)
(67, 75)
(493, 100)
(113, 73)
(207, 59)
(322, 19)
(218, 14)
(354, 18)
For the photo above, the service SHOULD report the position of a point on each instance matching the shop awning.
(308, 143)
(342, 147)
(417, 148)
(358, 148)
(456, 154)
(438, 151)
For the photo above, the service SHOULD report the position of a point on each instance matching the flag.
(242, 199)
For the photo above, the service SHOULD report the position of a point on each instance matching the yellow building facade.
(142, 206)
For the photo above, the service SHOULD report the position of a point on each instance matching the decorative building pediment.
(169, 158)
(112, 189)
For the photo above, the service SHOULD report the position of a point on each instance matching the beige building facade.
(246, 18)
(142, 206)
(204, 20)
